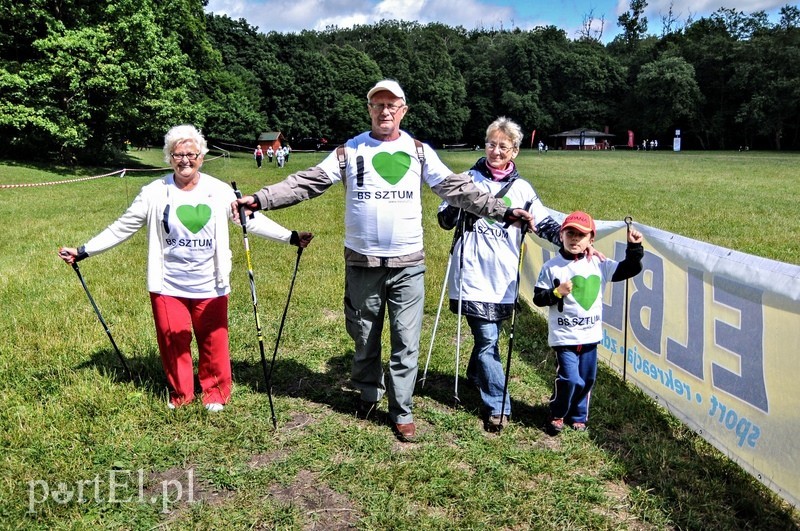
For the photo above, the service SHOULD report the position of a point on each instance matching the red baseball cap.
(580, 221)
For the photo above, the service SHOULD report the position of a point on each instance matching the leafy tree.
(633, 23)
(712, 51)
(768, 73)
(93, 76)
(231, 105)
(354, 74)
(310, 107)
(667, 94)
(438, 106)
(81, 77)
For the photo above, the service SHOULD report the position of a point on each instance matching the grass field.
(84, 447)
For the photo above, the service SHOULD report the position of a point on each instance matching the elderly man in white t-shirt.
(382, 170)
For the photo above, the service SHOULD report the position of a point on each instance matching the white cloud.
(284, 17)
(699, 8)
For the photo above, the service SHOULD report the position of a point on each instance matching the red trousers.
(175, 318)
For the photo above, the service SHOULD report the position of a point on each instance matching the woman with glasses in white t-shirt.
(186, 213)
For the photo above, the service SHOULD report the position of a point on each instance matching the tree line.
(81, 80)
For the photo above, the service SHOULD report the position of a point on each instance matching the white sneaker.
(214, 407)
(170, 405)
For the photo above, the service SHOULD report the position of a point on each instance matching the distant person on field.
(186, 213)
(382, 171)
(270, 154)
(487, 283)
(573, 290)
(258, 154)
(280, 157)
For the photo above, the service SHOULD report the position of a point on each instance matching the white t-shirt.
(190, 243)
(491, 251)
(383, 205)
(581, 321)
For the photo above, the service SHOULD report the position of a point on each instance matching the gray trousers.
(368, 292)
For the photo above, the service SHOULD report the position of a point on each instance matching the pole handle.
(242, 217)
(628, 221)
(557, 283)
(524, 227)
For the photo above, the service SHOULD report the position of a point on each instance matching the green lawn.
(68, 416)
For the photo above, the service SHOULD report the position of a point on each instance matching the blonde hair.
(183, 133)
(508, 127)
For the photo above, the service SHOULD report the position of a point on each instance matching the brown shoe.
(406, 432)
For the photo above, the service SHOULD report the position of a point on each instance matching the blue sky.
(297, 15)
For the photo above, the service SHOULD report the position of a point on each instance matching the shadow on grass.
(697, 486)
(661, 461)
(146, 371)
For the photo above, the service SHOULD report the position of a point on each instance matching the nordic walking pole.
(283, 319)
(441, 302)
(523, 231)
(100, 317)
(436, 321)
(628, 221)
(250, 274)
(462, 226)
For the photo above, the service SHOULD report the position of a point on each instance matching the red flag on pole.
(533, 135)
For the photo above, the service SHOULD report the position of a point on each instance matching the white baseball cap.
(389, 85)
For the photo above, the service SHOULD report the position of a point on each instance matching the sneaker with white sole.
(214, 407)
(555, 426)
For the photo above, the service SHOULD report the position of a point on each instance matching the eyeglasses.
(179, 156)
(391, 107)
(503, 149)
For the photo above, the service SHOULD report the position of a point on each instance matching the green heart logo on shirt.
(507, 202)
(392, 167)
(194, 218)
(585, 290)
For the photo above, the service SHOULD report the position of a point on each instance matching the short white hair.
(508, 127)
(183, 133)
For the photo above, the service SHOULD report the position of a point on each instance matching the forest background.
(82, 81)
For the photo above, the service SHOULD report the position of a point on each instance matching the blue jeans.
(485, 368)
(576, 374)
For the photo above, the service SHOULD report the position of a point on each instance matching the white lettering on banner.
(743, 339)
